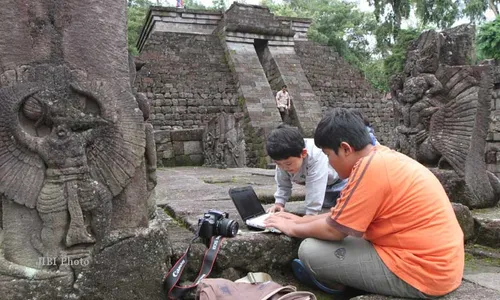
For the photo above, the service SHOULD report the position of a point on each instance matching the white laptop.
(249, 207)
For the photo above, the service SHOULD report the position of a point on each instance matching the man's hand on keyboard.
(276, 208)
(288, 215)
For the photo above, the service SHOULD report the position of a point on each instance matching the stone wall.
(186, 79)
(299, 25)
(172, 19)
(179, 147)
(337, 84)
(493, 138)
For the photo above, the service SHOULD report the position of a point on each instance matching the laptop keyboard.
(261, 218)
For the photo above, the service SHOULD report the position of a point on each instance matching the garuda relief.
(66, 151)
(442, 109)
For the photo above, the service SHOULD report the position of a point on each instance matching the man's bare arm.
(319, 228)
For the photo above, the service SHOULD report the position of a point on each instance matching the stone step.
(487, 226)
(467, 291)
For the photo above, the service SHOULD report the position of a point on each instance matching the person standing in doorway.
(283, 102)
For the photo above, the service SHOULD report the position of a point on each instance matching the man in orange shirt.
(405, 240)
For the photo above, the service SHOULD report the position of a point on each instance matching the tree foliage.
(439, 13)
(442, 13)
(395, 62)
(193, 4)
(488, 39)
(335, 23)
(219, 4)
(136, 13)
(391, 13)
(343, 27)
(474, 9)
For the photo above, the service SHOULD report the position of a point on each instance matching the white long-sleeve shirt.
(315, 173)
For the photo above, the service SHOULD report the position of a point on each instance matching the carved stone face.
(60, 110)
(62, 131)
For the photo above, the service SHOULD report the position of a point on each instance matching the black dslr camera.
(215, 222)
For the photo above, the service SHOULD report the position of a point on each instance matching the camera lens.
(228, 227)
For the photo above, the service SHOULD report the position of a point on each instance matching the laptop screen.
(246, 202)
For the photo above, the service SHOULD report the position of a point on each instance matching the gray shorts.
(353, 262)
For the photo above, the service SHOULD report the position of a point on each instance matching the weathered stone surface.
(262, 251)
(442, 107)
(132, 266)
(77, 158)
(192, 147)
(465, 219)
(487, 227)
(493, 138)
(488, 280)
(209, 188)
(188, 71)
(223, 142)
(162, 136)
(452, 184)
(483, 252)
(187, 135)
(466, 291)
(132, 262)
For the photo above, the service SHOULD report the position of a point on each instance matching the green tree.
(439, 13)
(374, 72)
(474, 9)
(136, 13)
(193, 4)
(341, 26)
(442, 13)
(395, 62)
(391, 13)
(335, 23)
(488, 40)
(219, 4)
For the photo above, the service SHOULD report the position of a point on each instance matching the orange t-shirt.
(402, 209)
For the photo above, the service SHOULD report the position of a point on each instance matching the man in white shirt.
(283, 101)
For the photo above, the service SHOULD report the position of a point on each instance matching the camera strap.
(175, 291)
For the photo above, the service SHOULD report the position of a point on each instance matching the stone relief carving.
(222, 144)
(442, 112)
(73, 182)
(65, 152)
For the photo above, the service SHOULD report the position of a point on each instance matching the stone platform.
(187, 192)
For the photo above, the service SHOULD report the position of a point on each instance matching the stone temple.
(211, 78)
(83, 127)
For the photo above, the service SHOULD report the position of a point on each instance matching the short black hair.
(341, 125)
(284, 142)
(284, 86)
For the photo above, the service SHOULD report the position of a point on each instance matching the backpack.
(223, 289)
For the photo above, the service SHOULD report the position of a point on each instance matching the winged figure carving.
(444, 112)
(66, 151)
